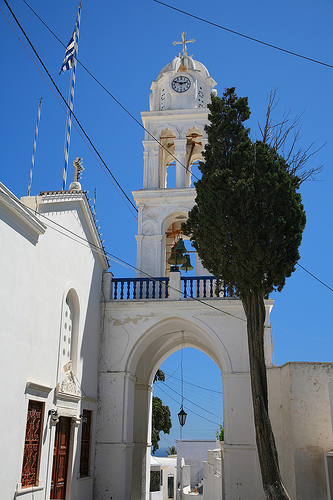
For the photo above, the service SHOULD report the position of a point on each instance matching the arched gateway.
(145, 319)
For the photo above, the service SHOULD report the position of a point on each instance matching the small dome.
(184, 63)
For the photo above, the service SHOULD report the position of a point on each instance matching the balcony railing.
(158, 288)
(140, 288)
(201, 287)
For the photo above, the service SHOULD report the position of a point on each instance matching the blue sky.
(125, 45)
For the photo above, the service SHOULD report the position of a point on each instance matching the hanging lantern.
(187, 266)
(182, 416)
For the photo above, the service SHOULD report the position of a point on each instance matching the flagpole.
(35, 145)
(70, 62)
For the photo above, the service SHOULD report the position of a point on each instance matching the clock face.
(181, 84)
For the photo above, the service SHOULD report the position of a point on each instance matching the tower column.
(180, 154)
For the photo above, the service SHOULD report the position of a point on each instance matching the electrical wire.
(127, 111)
(244, 36)
(192, 411)
(114, 98)
(74, 123)
(187, 399)
(120, 261)
(102, 251)
(89, 140)
(315, 277)
(67, 106)
(189, 383)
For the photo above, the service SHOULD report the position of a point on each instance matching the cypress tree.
(247, 226)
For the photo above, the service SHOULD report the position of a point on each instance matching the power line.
(194, 385)
(132, 116)
(123, 262)
(192, 411)
(244, 36)
(315, 277)
(74, 124)
(67, 106)
(101, 250)
(187, 399)
(115, 99)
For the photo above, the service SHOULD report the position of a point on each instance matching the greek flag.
(70, 52)
(70, 63)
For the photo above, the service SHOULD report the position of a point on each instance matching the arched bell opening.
(173, 235)
(167, 157)
(194, 147)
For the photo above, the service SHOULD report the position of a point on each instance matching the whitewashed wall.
(300, 412)
(38, 266)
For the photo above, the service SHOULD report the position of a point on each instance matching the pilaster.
(180, 154)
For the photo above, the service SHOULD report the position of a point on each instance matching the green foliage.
(161, 421)
(220, 434)
(160, 376)
(248, 219)
(172, 450)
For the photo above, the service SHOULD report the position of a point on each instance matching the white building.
(83, 442)
(163, 475)
(50, 316)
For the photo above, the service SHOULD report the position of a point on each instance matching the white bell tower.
(174, 140)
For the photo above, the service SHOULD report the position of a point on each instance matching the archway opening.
(193, 383)
(166, 341)
(202, 393)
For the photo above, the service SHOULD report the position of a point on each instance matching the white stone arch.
(139, 336)
(148, 353)
(168, 334)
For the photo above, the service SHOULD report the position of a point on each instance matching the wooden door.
(60, 459)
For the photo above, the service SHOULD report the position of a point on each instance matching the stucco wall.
(301, 418)
(36, 274)
(194, 453)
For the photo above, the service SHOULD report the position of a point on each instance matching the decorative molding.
(19, 214)
(37, 390)
(76, 421)
(49, 202)
(29, 489)
(89, 399)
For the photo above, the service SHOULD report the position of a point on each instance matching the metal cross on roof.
(184, 42)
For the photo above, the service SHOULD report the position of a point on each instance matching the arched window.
(194, 146)
(69, 331)
(167, 139)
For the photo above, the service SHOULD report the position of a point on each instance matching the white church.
(80, 347)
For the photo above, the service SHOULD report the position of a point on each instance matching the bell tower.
(173, 144)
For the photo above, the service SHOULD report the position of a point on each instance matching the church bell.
(187, 266)
(180, 247)
(176, 258)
